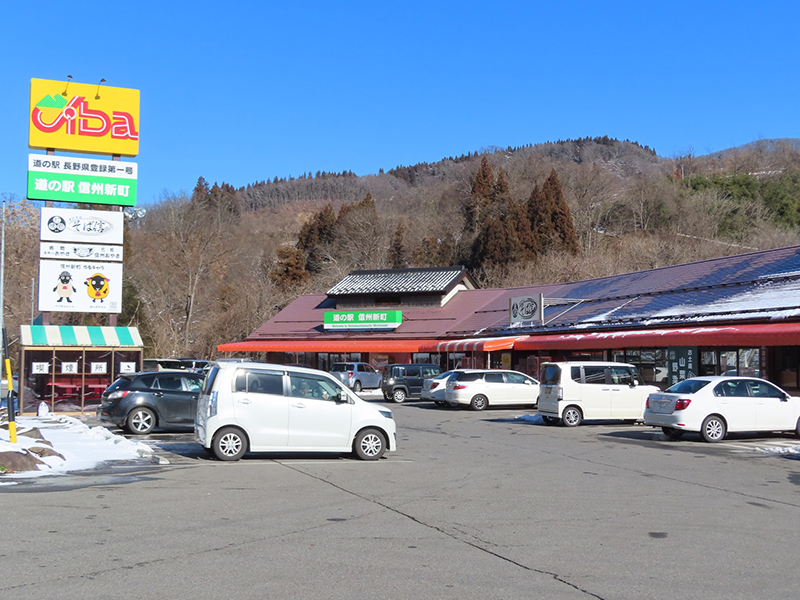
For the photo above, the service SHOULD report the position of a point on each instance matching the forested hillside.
(210, 266)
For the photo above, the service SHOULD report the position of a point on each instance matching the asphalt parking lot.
(473, 505)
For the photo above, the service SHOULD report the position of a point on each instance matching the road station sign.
(80, 117)
(87, 180)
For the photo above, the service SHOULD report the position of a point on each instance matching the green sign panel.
(92, 181)
(363, 319)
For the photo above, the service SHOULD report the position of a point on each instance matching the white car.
(260, 407)
(714, 406)
(434, 388)
(480, 388)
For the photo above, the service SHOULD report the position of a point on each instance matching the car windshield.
(688, 386)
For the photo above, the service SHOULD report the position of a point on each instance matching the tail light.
(459, 386)
(682, 403)
(118, 394)
(647, 403)
(434, 384)
(349, 373)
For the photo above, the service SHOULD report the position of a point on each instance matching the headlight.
(386, 413)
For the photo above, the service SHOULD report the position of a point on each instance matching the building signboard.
(363, 319)
(681, 363)
(68, 251)
(524, 308)
(86, 180)
(80, 286)
(80, 117)
(88, 226)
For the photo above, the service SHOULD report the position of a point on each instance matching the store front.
(69, 367)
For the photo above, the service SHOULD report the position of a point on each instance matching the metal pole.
(5, 364)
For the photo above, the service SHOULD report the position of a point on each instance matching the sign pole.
(6, 364)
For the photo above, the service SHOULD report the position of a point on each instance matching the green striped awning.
(69, 335)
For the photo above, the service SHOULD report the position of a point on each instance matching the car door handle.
(158, 394)
(299, 405)
(244, 401)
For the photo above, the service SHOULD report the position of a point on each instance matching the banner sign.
(363, 319)
(88, 226)
(80, 286)
(81, 180)
(80, 252)
(80, 117)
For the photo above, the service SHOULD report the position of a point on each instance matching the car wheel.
(572, 416)
(141, 421)
(229, 444)
(440, 403)
(399, 395)
(357, 387)
(549, 420)
(479, 402)
(369, 444)
(672, 434)
(797, 429)
(713, 429)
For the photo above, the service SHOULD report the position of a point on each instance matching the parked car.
(357, 375)
(714, 406)
(261, 407)
(481, 388)
(578, 390)
(401, 382)
(163, 364)
(434, 388)
(140, 402)
(194, 365)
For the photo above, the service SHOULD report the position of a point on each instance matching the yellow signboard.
(80, 117)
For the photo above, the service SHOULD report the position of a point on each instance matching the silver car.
(434, 388)
(357, 375)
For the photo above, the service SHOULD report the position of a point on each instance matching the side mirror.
(634, 383)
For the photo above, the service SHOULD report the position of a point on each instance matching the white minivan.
(261, 407)
(574, 391)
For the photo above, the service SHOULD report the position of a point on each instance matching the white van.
(574, 391)
(261, 407)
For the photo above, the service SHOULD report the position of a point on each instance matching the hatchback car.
(357, 375)
(434, 388)
(714, 406)
(261, 407)
(140, 402)
(481, 388)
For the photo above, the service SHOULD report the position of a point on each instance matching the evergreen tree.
(483, 189)
(561, 218)
(289, 271)
(397, 251)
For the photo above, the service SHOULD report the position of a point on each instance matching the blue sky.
(243, 91)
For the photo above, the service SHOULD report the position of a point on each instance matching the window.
(493, 378)
(689, 386)
(313, 388)
(193, 385)
(731, 389)
(516, 378)
(169, 382)
(466, 377)
(428, 372)
(412, 372)
(621, 376)
(551, 374)
(575, 374)
(595, 375)
(764, 390)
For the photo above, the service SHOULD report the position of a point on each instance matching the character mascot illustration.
(97, 287)
(64, 289)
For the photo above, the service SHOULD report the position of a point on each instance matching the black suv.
(404, 381)
(139, 402)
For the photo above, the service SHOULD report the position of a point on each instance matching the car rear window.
(551, 375)
(341, 367)
(121, 383)
(209, 382)
(688, 386)
(444, 375)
